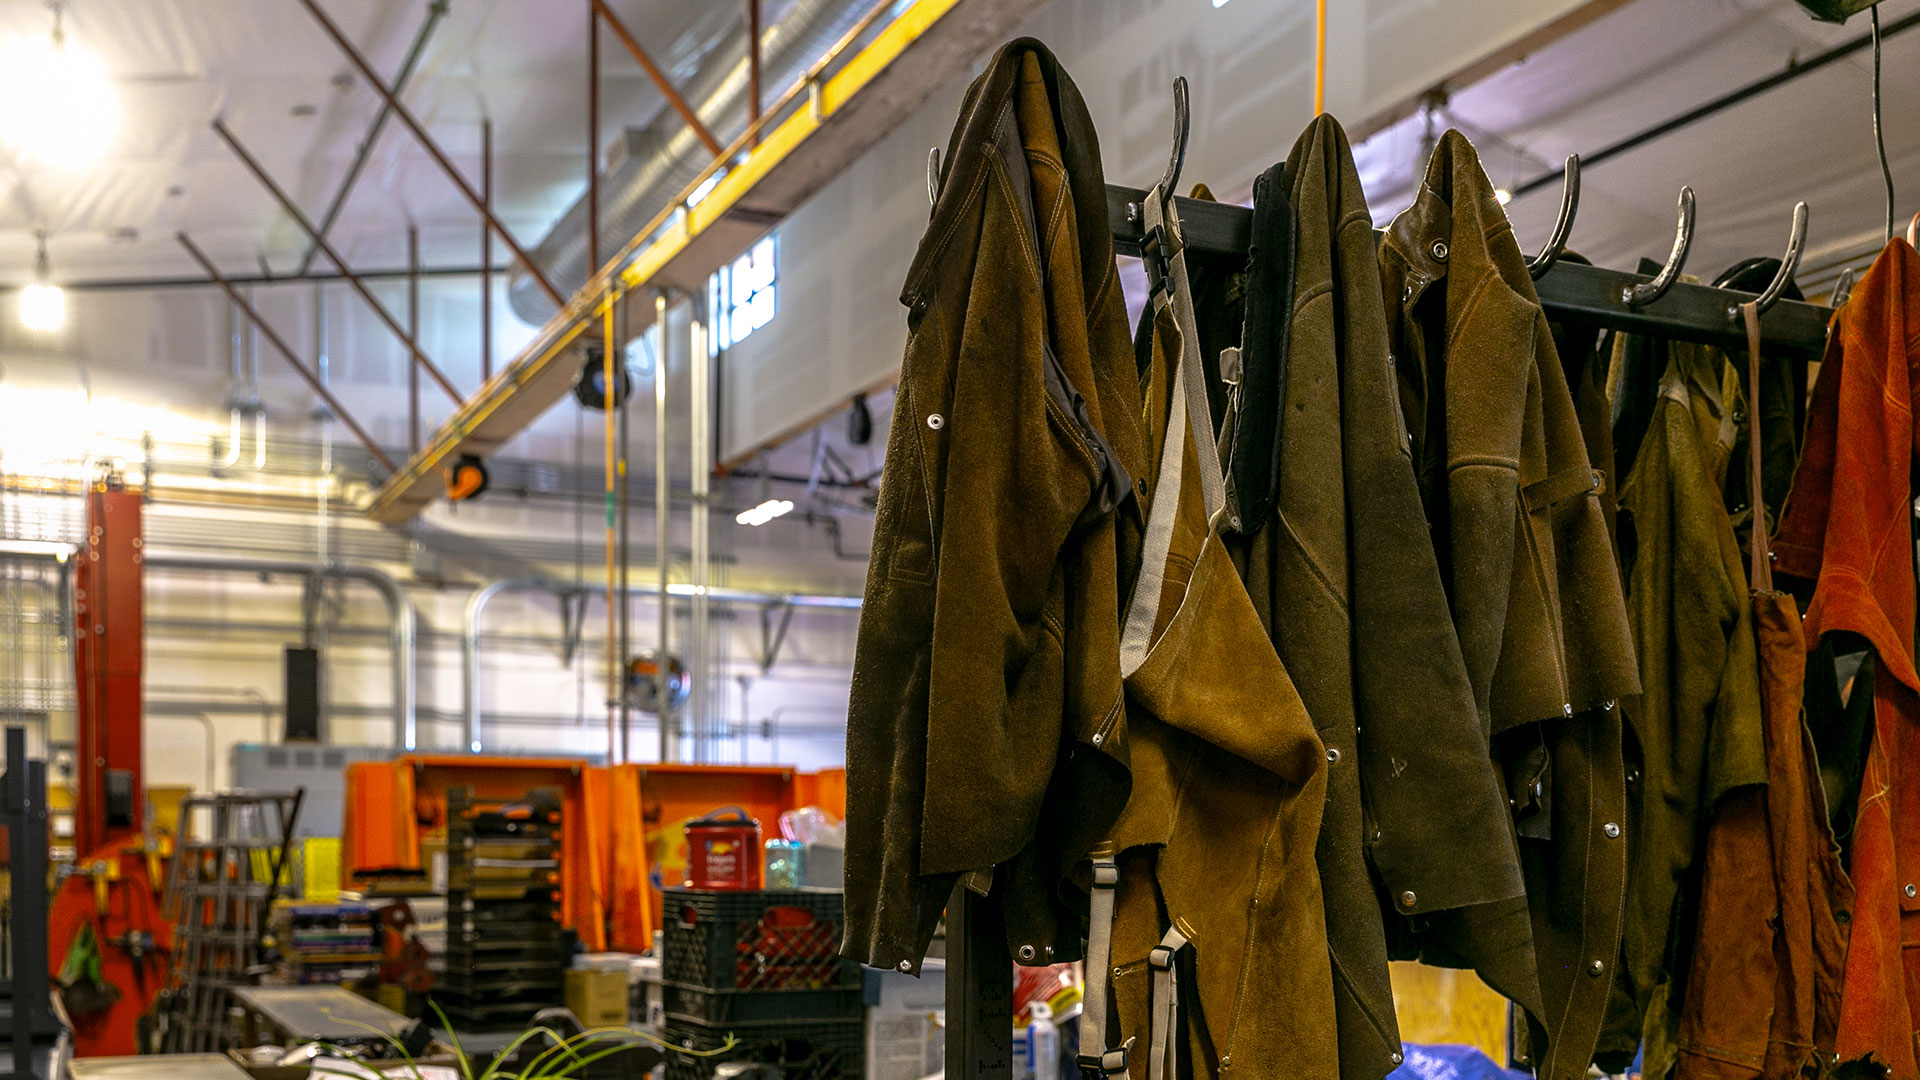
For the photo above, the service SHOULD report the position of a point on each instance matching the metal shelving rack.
(506, 949)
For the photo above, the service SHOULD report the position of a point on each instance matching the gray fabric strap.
(1161, 213)
(1095, 1059)
(1165, 1063)
(1187, 417)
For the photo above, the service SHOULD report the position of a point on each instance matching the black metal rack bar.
(28, 1003)
(979, 990)
(1571, 291)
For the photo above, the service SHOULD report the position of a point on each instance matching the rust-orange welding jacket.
(986, 727)
(1848, 527)
(1217, 842)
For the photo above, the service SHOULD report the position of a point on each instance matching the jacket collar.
(983, 130)
(1416, 248)
(1455, 217)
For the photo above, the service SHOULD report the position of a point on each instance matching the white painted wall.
(1249, 64)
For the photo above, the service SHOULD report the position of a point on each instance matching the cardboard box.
(906, 1037)
(598, 998)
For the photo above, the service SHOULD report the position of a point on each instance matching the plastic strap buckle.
(1111, 1063)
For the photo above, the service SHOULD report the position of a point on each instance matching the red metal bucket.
(723, 850)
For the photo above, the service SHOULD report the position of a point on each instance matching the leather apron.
(1217, 958)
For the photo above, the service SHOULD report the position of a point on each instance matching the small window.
(745, 293)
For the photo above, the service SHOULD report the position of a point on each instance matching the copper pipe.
(659, 78)
(486, 252)
(320, 242)
(593, 138)
(413, 334)
(286, 351)
(436, 10)
(433, 150)
(753, 64)
(747, 138)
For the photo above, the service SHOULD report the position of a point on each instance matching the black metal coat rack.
(979, 986)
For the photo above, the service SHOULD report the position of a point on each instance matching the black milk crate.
(723, 1007)
(802, 1050)
(763, 939)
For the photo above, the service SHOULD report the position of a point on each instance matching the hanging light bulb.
(43, 305)
(57, 105)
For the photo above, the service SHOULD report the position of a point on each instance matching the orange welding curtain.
(614, 912)
(381, 830)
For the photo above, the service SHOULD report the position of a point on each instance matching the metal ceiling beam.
(320, 242)
(433, 149)
(659, 77)
(286, 351)
(435, 10)
(796, 147)
(593, 143)
(486, 253)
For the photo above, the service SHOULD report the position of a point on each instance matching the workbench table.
(157, 1067)
(301, 1014)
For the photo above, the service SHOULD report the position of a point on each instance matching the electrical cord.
(1879, 138)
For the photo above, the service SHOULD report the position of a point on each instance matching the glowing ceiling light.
(43, 305)
(699, 194)
(57, 105)
(1502, 196)
(765, 512)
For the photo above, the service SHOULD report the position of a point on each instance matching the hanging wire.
(1879, 139)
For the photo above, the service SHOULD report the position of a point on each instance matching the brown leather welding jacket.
(1344, 578)
(1848, 527)
(1514, 512)
(985, 731)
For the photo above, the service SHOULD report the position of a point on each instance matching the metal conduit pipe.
(400, 618)
(477, 605)
(657, 162)
(247, 693)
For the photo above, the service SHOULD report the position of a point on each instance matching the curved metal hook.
(933, 176)
(1181, 119)
(1842, 287)
(1796, 242)
(1563, 227)
(1648, 291)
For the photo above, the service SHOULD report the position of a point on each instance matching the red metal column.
(107, 637)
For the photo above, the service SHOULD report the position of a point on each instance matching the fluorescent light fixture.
(765, 512)
(697, 195)
(57, 105)
(43, 307)
(1502, 196)
(1219, 3)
